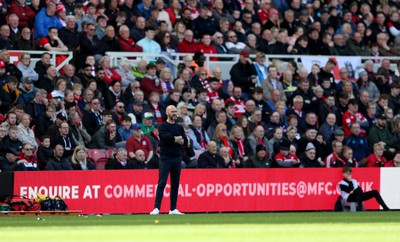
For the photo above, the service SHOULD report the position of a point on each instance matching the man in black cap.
(284, 158)
(53, 130)
(27, 91)
(136, 113)
(9, 162)
(260, 159)
(353, 116)
(380, 132)
(243, 73)
(350, 191)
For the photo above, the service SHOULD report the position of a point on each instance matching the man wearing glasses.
(27, 158)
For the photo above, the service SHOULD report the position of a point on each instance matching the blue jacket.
(43, 22)
(359, 145)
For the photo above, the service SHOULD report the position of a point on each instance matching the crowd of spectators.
(264, 115)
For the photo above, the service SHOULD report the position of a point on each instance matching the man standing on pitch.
(172, 138)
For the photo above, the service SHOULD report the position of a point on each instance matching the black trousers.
(168, 165)
(359, 196)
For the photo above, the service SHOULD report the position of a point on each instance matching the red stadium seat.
(101, 163)
(110, 153)
(96, 154)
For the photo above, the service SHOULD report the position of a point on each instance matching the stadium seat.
(96, 154)
(101, 163)
(110, 152)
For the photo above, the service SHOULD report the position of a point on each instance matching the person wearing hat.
(9, 162)
(136, 114)
(350, 191)
(260, 159)
(27, 91)
(309, 158)
(243, 73)
(139, 141)
(53, 130)
(147, 124)
(353, 116)
(380, 132)
(284, 158)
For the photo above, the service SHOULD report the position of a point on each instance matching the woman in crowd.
(109, 73)
(80, 161)
(124, 71)
(239, 144)
(26, 134)
(221, 138)
(377, 159)
(182, 112)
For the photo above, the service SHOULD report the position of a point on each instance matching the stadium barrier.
(228, 60)
(207, 190)
(36, 54)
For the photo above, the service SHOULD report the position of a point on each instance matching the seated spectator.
(243, 73)
(12, 139)
(42, 65)
(11, 93)
(148, 44)
(358, 144)
(198, 135)
(44, 152)
(396, 159)
(348, 157)
(110, 74)
(139, 160)
(334, 159)
(120, 161)
(65, 139)
(377, 159)
(28, 93)
(5, 41)
(113, 95)
(240, 144)
(147, 123)
(80, 161)
(105, 137)
(24, 41)
(69, 33)
(309, 158)
(127, 44)
(125, 130)
(57, 162)
(139, 141)
(26, 134)
(284, 158)
(52, 42)
(9, 161)
(211, 158)
(109, 41)
(24, 67)
(150, 83)
(79, 134)
(260, 159)
(380, 132)
(187, 45)
(28, 155)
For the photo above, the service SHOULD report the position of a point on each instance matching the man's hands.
(179, 140)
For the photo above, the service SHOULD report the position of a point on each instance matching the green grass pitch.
(305, 226)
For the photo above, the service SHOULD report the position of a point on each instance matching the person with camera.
(244, 74)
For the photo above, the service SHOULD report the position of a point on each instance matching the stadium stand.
(256, 72)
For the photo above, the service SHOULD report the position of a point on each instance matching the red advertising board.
(202, 190)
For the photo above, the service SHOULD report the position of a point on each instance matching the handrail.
(53, 55)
